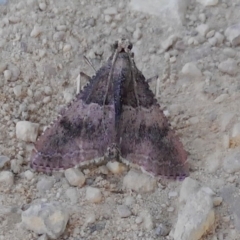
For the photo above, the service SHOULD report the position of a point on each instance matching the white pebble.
(108, 19)
(17, 90)
(16, 166)
(217, 201)
(137, 34)
(93, 195)
(210, 34)
(29, 175)
(202, 29)
(191, 70)
(75, 177)
(116, 167)
(7, 75)
(27, 131)
(42, 6)
(67, 47)
(202, 17)
(110, 11)
(36, 31)
(90, 218)
(46, 218)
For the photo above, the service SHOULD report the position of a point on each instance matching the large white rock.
(171, 11)
(27, 131)
(46, 218)
(196, 218)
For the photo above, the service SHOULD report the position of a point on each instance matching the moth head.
(123, 45)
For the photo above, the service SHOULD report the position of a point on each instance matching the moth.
(115, 116)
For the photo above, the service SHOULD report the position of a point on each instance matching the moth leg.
(152, 79)
(89, 63)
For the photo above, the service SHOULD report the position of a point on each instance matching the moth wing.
(146, 138)
(82, 133)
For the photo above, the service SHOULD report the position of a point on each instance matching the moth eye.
(130, 46)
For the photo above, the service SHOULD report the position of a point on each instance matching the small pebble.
(27, 131)
(7, 75)
(217, 201)
(42, 6)
(36, 31)
(29, 175)
(123, 211)
(115, 167)
(67, 47)
(58, 36)
(93, 195)
(170, 209)
(138, 220)
(75, 177)
(90, 218)
(137, 34)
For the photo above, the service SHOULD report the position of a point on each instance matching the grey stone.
(44, 184)
(3, 160)
(123, 211)
(231, 163)
(46, 218)
(191, 70)
(232, 34)
(72, 194)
